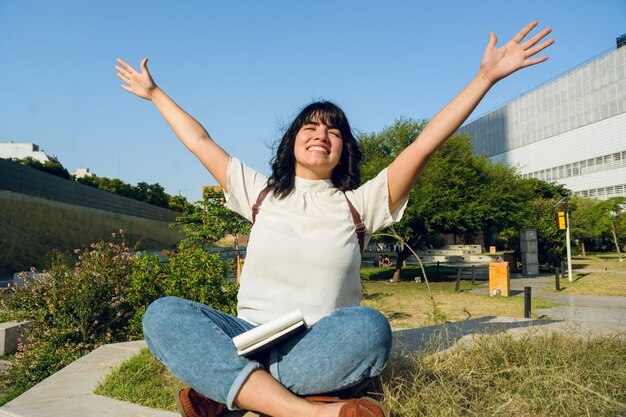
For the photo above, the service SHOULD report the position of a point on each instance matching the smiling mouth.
(318, 149)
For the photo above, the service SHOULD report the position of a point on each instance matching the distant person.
(377, 261)
(304, 252)
(386, 261)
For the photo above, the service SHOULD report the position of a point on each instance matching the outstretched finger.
(122, 71)
(123, 78)
(534, 61)
(536, 49)
(539, 36)
(129, 68)
(522, 33)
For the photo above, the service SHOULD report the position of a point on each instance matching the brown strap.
(360, 227)
(259, 200)
(356, 217)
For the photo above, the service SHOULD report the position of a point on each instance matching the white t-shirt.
(303, 250)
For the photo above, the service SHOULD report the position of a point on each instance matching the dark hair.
(346, 175)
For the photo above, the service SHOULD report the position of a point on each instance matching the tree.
(210, 221)
(148, 193)
(458, 192)
(151, 193)
(463, 194)
(586, 220)
(614, 209)
(49, 167)
(180, 204)
(593, 219)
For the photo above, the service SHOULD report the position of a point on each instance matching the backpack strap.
(360, 227)
(356, 217)
(259, 200)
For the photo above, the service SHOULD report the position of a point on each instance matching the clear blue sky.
(245, 68)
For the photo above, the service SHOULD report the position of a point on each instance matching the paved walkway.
(608, 313)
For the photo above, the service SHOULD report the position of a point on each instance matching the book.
(268, 334)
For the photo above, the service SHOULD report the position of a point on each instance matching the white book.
(267, 334)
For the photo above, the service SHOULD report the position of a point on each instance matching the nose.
(322, 133)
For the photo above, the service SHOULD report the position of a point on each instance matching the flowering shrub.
(100, 297)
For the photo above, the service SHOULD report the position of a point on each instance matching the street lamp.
(563, 202)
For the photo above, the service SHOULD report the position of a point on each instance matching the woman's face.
(317, 150)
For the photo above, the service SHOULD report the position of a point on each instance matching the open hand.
(501, 62)
(141, 83)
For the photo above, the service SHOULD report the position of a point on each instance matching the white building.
(13, 150)
(570, 130)
(82, 172)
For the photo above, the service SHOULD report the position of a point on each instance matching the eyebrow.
(316, 123)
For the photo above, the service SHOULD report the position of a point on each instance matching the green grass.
(407, 304)
(31, 228)
(534, 375)
(599, 260)
(144, 380)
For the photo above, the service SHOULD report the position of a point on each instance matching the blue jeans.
(194, 341)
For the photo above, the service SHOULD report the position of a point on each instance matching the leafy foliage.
(464, 194)
(210, 220)
(149, 193)
(189, 273)
(598, 220)
(80, 304)
(49, 167)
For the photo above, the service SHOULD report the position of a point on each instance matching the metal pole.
(473, 275)
(557, 273)
(527, 291)
(458, 280)
(569, 249)
(437, 269)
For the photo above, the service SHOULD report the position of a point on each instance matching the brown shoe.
(357, 407)
(193, 404)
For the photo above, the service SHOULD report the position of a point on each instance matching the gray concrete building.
(570, 130)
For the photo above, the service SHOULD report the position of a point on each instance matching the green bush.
(100, 297)
(189, 273)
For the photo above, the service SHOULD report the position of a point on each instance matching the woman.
(304, 218)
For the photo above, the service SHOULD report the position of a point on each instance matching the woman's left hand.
(501, 62)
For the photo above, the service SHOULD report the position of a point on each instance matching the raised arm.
(188, 129)
(496, 64)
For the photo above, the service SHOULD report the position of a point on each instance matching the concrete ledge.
(69, 392)
(10, 333)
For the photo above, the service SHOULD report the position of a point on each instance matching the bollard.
(458, 280)
(557, 274)
(527, 291)
(437, 275)
(473, 275)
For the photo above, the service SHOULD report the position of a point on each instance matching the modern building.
(570, 130)
(13, 150)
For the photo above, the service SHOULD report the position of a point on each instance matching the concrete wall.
(20, 179)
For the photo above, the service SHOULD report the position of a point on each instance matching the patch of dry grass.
(534, 375)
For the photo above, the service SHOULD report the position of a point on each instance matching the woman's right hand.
(141, 83)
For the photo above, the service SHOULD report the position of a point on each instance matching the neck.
(309, 174)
